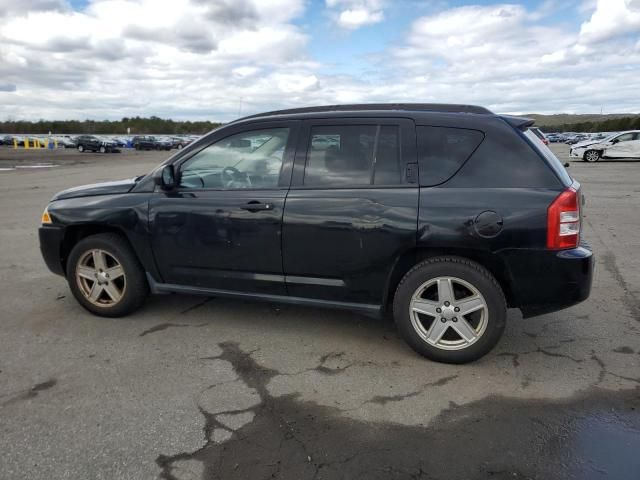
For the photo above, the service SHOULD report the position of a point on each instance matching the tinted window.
(340, 155)
(554, 163)
(442, 151)
(505, 159)
(343, 155)
(388, 169)
(245, 160)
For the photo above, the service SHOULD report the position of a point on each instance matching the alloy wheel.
(592, 156)
(100, 278)
(448, 313)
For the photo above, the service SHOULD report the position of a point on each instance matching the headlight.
(46, 218)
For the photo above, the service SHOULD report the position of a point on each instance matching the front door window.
(248, 160)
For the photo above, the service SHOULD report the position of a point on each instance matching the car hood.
(586, 143)
(105, 188)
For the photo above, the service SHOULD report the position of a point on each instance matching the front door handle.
(256, 206)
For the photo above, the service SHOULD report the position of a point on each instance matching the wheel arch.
(74, 233)
(407, 260)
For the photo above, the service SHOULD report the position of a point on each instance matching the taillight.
(563, 221)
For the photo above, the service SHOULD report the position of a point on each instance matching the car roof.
(368, 109)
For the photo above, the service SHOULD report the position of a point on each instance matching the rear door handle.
(255, 206)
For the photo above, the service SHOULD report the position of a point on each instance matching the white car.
(618, 145)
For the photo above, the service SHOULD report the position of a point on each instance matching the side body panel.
(126, 213)
(491, 210)
(339, 244)
(220, 238)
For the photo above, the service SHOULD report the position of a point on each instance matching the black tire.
(592, 156)
(136, 290)
(469, 272)
(136, 146)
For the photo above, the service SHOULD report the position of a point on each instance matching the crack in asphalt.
(629, 299)
(384, 399)
(164, 326)
(197, 305)
(30, 393)
(290, 438)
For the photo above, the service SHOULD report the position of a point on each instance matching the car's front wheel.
(591, 156)
(450, 309)
(105, 276)
(80, 148)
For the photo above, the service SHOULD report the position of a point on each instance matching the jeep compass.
(442, 215)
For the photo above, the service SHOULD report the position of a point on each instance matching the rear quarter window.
(505, 159)
(443, 150)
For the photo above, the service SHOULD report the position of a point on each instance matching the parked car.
(66, 142)
(444, 215)
(556, 137)
(618, 145)
(94, 144)
(179, 142)
(149, 143)
(8, 140)
(576, 139)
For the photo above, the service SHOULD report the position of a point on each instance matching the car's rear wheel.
(105, 276)
(103, 149)
(591, 156)
(450, 309)
(179, 146)
(80, 148)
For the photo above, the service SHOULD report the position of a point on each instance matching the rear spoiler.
(520, 123)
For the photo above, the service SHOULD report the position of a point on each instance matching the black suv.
(150, 143)
(90, 143)
(444, 215)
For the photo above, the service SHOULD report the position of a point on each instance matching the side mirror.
(165, 177)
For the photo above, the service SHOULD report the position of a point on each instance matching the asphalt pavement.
(194, 387)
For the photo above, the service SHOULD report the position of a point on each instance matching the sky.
(220, 59)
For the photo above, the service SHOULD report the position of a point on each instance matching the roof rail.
(423, 107)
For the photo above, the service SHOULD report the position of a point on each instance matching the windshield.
(551, 158)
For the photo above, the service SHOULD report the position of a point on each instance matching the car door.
(634, 146)
(352, 208)
(221, 227)
(622, 146)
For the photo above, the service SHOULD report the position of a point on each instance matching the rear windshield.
(546, 152)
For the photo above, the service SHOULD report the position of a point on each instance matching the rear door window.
(353, 155)
(443, 150)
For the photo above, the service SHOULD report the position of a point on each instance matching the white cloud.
(184, 58)
(353, 14)
(193, 59)
(612, 18)
(497, 55)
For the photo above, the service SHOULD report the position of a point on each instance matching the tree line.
(610, 125)
(137, 126)
(150, 125)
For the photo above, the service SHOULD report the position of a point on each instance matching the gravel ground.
(191, 387)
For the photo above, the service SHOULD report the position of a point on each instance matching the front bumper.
(577, 152)
(51, 238)
(546, 281)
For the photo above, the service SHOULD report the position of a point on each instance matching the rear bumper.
(546, 281)
(50, 246)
